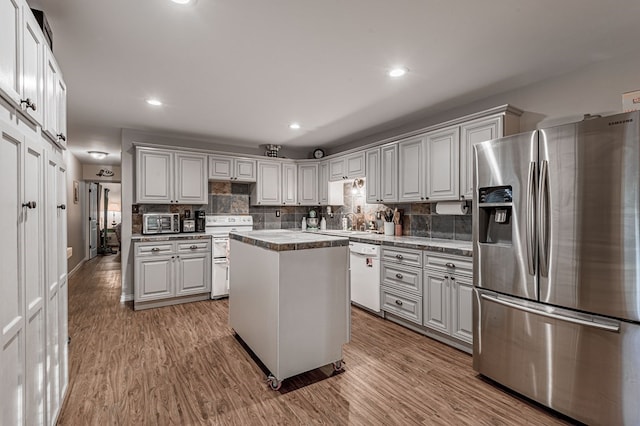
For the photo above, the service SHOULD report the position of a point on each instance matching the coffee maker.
(201, 220)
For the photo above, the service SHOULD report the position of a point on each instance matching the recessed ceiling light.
(98, 155)
(154, 102)
(398, 72)
(181, 1)
(294, 126)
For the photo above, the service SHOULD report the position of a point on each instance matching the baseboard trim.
(126, 298)
(78, 266)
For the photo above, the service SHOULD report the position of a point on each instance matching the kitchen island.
(289, 298)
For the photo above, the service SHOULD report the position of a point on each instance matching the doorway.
(105, 214)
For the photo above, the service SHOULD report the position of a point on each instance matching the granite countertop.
(170, 237)
(460, 248)
(286, 240)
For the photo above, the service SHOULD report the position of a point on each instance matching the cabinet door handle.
(155, 249)
(446, 277)
(449, 265)
(399, 257)
(193, 247)
(29, 205)
(399, 276)
(453, 278)
(61, 137)
(62, 207)
(398, 302)
(28, 104)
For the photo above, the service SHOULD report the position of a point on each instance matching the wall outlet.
(358, 209)
(277, 213)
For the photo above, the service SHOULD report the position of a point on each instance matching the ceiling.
(239, 71)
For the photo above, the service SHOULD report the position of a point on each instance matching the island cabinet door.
(154, 278)
(193, 274)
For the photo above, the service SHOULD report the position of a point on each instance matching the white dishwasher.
(365, 275)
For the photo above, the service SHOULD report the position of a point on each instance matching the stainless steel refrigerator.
(556, 246)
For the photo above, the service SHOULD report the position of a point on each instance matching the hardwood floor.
(183, 365)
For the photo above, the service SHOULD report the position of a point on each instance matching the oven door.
(220, 247)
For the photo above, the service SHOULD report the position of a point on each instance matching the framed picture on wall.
(76, 192)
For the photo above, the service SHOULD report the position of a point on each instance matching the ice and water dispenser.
(494, 211)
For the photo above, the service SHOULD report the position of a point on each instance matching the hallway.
(183, 365)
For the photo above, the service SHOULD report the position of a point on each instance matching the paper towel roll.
(451, 207)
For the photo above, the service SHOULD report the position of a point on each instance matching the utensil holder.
(398, 230)
(388, 228)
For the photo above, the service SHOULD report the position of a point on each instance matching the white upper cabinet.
(308, 184)
(32, 68)
(442, 170)
(350, 166)
(289, 183)
(268, 188)
(164, 177)
(411, 169)
(191, 185)
(55, 102)
(222, 167)
(472, 133)
(323, 183)
(11, 50)
(374, 175)
(382, 174)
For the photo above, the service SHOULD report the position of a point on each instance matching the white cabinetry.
(447, 295)
(33, 314)
(472, 133)
(308, 184)
(382, 174)
(268, 188)
(323, 183)
(11, 50)
(170, 272)
(165, 177)
(442, 169)
(411, 169)
(55, 102)
(289, 183)
(222, 167)
(350, 166)
(33, 49)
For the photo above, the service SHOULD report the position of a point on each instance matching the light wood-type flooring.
(183, 365)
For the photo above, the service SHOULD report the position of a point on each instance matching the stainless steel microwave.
(160, 223)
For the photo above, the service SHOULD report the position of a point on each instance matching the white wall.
(75, 231)
(596, 89)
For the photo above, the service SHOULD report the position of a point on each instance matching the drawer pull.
(449, 265)
(399, 276)
(398, 302)
(155, 249)
(399, 257)
(193, 247)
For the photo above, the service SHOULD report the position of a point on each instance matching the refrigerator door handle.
(607, 327)
(543, 218)
(530, 217)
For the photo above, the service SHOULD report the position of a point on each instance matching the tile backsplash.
(233, 198)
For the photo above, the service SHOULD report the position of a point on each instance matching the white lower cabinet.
(401, 283)
(447, 295)
(171, 272)
(33, 314)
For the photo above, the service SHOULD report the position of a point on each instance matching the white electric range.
(219, 227)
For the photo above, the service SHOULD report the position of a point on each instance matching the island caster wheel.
(338, 366)
(274, 383)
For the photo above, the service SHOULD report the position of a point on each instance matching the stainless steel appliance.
(160, 223)
(556, 267)
(219, 227)
(364, 272)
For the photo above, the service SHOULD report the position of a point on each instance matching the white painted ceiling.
(240, 71)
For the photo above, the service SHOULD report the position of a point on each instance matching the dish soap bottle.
(304, 223)
(323, 224)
